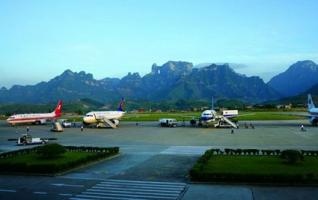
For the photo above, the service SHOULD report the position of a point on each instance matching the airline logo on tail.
(121, 105)
(310, 102)
(58, 109)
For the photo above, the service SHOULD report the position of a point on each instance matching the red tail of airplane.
(58, 109)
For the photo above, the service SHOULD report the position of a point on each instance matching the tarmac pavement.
(158, 160)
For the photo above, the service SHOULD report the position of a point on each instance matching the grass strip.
(259, 169)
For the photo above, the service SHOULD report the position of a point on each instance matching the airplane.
(36, 118)
(312, 111)
(104, 118)
(211, 117)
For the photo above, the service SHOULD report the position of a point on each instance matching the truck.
(27, 139)
(168, 122)
(230, 113)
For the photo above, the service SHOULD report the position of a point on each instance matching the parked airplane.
(312, 111)
(104, 118)
(212, 117)
(36, 118)
(209, 117)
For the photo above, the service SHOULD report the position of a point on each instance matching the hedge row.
(53, 168)
(199, 172)
(68, 148)
(255, 178)
(241, 152)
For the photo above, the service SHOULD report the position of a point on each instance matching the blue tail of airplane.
(121, 105)
(310, 102)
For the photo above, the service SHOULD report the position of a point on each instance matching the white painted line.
(143, 184)
(133, 189)
(147, 182)
(42, 193)
(66, 195)
(121, 197)
(100, 195)
(4, 190)
(140, 186)
(89, 197)
(133, 192)
(65, 185)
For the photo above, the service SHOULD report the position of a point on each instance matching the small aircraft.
(36, 118)
(105, 118)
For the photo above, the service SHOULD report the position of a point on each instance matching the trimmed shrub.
(292, 156)
(51, 151)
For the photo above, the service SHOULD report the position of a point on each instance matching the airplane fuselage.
(207, 116)
(36, 117)
(95, 116)
(30, 118)
(313, 112)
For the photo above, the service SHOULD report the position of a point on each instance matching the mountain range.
(298, 78)
(172, 81)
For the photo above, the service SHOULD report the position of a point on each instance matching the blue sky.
(40, 39)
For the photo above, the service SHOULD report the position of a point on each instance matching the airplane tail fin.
(58, 109)
(310, 102)
(121, 105)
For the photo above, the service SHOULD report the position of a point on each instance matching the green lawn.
(245, 116)
(187, 116)
(255, 169)
(33, 163)
(33, 158)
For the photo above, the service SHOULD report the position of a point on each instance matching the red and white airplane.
(36, 118)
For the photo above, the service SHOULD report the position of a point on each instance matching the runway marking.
(66, 185)
(42, 193)
(4, 190)
(66, 195)
(185, 150)
(126, 189)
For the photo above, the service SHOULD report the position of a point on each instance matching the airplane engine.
(115, 121)
(314, 121)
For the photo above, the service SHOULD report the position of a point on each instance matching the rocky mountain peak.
(173, 67)
(304, 65)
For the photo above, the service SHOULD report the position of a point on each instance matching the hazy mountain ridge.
(171, 81)
(297, 79)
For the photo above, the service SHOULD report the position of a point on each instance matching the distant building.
(288, 106)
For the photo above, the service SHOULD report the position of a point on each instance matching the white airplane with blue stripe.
(101, 118)
(312, 111)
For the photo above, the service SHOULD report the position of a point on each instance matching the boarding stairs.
(224, 119)
(104, 122)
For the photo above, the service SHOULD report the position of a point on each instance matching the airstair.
(228, 123)
(106, 123)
